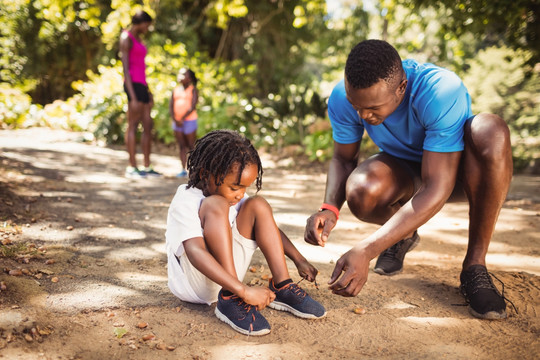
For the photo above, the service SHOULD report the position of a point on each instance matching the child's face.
(230, 189)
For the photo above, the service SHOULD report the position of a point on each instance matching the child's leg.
(256, 221)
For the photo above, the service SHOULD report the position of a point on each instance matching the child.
(182, 108)
(210, 225)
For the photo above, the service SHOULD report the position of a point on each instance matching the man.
(432, 150)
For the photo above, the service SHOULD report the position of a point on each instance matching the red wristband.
(332, 208)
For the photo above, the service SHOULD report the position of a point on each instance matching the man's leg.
(375, 191)
(486, 174)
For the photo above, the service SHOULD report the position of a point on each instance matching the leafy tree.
(514, 22)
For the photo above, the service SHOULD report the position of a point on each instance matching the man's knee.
(489, 136)
(362, 198)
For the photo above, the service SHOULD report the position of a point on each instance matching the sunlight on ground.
(89, 296)
(435, 321)
(96, 178)
(88, 216)
(117, 233)
(133, 253)
(252, 351)
(138, 277)
(331, 252)
(398, 304)
(506, 262)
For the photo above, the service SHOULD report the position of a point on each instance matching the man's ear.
(402, 87)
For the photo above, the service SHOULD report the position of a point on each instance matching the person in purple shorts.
(140, 99)
(182, 108)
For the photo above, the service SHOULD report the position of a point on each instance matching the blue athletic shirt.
(430, 117)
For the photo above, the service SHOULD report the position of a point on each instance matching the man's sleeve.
(446, 106)
(346, 125)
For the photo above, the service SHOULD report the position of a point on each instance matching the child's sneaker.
(294, 299)
(134, 173)
(241, 316)
(182, 174)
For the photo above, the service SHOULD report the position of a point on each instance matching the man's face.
(375, 103)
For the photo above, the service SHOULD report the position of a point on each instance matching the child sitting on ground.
(213, 229)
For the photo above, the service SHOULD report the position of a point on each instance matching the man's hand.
(258, 296)
(318, 227)
(352, 271)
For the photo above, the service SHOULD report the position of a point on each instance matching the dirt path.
(90, 278)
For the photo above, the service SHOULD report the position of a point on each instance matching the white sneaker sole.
(276, 305)
(225, 319)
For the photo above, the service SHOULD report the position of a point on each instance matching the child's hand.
(307, 271)
(259, 296)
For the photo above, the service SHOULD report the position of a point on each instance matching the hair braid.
(216, 153)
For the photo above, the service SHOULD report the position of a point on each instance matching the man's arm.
(439, 172)
(343, 162)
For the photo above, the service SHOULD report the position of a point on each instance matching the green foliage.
(500, 81)
(16, 108)
(265, 68)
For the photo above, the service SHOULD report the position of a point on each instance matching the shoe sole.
(382, 272)
(276, 305)
(225, 319)
(490, 315)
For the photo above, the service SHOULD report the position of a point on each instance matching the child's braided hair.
(216, 153)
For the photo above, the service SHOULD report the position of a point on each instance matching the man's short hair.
(371, 61)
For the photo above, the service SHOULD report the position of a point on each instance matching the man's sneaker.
(294, 299)
(241, 316)
(485, 301)
(134, 173)
(182, 174)
(149, 171)
(390, 261)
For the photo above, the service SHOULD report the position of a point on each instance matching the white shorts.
(189, 284)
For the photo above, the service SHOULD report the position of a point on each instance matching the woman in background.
(133, 53)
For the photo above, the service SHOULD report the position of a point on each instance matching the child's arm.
(305, 269)
(208, 254)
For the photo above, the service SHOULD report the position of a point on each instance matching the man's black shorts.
(141, 92)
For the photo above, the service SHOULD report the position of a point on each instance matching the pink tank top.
(137, 67)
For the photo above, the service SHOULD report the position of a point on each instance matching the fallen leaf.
(120, 332)
(54, 279)
(142, 325)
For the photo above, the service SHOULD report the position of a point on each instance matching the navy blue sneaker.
(241, 316)
(294, 299)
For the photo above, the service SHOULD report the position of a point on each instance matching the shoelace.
(247, 308)
(297, 290)
(314, 281)
(483, 281)
(393, 250)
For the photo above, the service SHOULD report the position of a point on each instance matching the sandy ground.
(86, 277)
